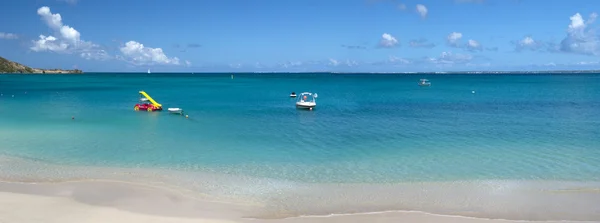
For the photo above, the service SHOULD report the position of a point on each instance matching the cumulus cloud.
(8, 36)
(67, 39)
(473, 45)
(388, 41)
(139, 54)
(453, 39)
(422, 10)
(528, 43)
(49, 43)
(581, 38)
(421, 43)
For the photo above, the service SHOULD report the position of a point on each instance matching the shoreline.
(55, 202)
(289, 201)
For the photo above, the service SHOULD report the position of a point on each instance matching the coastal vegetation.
(7, 66)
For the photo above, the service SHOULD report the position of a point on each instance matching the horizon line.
(351, 72)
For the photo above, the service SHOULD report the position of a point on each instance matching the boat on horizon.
(424, 82)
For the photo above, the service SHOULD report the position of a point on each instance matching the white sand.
(23, 208)
(127, 203)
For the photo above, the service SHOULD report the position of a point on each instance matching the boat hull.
(305, 105)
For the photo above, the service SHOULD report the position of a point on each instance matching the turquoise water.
(366, 128)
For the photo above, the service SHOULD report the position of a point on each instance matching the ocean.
(368, 130)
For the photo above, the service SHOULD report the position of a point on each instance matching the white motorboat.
(175, 110)
(293, 95)
(424, 82)
(307, 100)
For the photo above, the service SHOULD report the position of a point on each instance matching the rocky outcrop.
(7, 66)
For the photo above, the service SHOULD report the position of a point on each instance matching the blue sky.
(295, 35)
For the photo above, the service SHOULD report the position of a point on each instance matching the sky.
(301, 35)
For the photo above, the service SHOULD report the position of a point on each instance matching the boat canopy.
(307, 97)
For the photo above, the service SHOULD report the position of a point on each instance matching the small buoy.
(186, 116)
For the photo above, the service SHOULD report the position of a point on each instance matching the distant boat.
(293, 94)
(424, 82)
(307, 100)
(175, 111)
(148, 70)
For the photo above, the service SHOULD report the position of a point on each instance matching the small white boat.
(175, 110)
(307, 100)
(424, 82)
(148, 70)
(293, 95)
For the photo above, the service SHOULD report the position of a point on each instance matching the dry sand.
(117, 202)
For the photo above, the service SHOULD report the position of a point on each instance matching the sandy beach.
(100, 201)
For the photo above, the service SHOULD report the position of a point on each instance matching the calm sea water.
(366, 128)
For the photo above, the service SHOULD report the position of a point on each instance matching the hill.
(7, 66)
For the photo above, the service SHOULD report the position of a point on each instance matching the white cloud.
(289, 64)
(577, 23)
(473, 45)
(388, 41)
(453, 39)
(422, 10)
(581, 39)
(528, 43)
(96, 55)
(398, 60)
(333, 62)
(139, 54)
(336, 63)
(68, 39)
(49, 43)
(188, 63)
(8, 36)
(451, 58)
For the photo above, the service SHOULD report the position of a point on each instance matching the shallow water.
(378, 139)
(366, 128)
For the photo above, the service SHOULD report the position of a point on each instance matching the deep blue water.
(366, 128)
